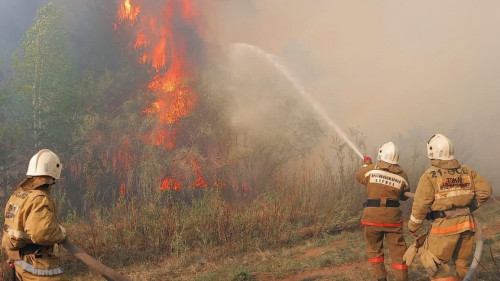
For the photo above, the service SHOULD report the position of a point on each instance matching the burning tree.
(147, 138)
(151, 123)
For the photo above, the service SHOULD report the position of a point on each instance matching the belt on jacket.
(30, 249)
(376, 203)
(450, 213)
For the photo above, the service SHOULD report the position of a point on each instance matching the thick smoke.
(397, 71)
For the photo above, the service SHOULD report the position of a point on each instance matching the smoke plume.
(398, 71)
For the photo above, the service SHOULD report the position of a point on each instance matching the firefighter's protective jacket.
(383, 182)
(448, 186)
(30, 222)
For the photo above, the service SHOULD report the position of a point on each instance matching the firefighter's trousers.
(455, 248)
(375, 250)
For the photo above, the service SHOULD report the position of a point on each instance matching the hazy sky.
(16, 16)
(386, 67)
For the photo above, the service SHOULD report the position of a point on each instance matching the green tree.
(44, 79)
(10, 134)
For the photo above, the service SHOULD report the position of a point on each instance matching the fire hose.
(106, 272)
(479, 245)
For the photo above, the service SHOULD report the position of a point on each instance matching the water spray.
(315, 105)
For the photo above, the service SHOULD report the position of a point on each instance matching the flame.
(170, 183)
(163, 47)
(140, 41)
(161, 137)
(160, 46)
(127, 11)
(200, 181)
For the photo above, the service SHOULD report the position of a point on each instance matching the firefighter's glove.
(410, 254)
(367, 160)
(429, 261)
(413, 226)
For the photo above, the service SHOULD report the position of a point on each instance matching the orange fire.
(200, 182)
(128, 11)
(162, 46)
(170, 183)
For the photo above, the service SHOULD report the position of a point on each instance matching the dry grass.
(131, 234)
(241, 253)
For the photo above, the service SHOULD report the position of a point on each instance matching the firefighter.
(447, 193)
(386, 183)
(31, 230)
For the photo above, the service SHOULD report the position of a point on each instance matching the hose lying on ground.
(477, 253)
(106, 272)
(479, 245)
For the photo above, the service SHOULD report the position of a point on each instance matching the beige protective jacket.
(448, 186)
(383, 181)
(30, 218)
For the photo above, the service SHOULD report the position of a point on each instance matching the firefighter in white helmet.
(386, 183)
(447, 193)
(31, 230)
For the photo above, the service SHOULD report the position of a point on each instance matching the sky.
(390, 68)
(15, 19)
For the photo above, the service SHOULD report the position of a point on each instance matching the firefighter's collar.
(393, 168)
(445, 164)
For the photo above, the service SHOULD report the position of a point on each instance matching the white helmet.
(45, 163)
(388, 152)
(440, 147)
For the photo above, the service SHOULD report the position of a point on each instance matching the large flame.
(128, 11)
(159, 44)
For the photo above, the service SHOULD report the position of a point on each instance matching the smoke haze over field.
(397, 70)
(389, 68)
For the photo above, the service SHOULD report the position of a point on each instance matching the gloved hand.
(410, 254)
(413, 226)
(367, 160)
(429, 261)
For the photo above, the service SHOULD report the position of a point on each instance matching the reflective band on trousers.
(38, 271)
(452, 228)
(399, 266)
(446, 279)
(380, 259)
(382, 224)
